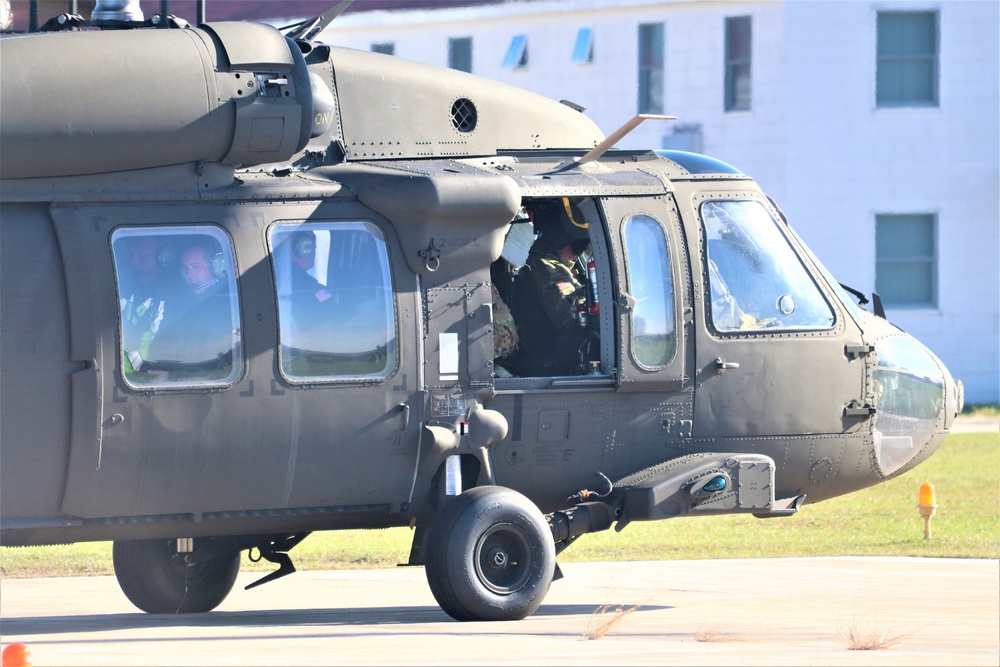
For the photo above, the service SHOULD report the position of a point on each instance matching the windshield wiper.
(862, 299)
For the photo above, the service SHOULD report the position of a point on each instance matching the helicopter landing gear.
(158, 579)
(490, 556)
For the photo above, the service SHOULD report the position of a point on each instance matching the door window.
(654, 333)
(756, 280)
(179, 312)
(335, 306)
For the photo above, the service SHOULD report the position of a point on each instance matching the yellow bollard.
(926, 503)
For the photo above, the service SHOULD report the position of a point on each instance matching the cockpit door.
(653, 304)
(776, 353)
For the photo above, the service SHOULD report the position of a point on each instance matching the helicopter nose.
(916, 401)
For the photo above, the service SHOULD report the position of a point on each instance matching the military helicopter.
(256, 286)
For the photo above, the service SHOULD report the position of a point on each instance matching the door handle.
(856, 409)
(405, 409)
(723, 365)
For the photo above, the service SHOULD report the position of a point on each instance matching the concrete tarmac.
(796, 611)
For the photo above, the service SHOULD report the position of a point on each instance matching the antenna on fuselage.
(312, 27)
(613, 138)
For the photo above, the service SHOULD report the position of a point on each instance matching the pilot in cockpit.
(547, 291)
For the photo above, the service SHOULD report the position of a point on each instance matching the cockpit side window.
(755, 279)
(179, 309)
(335, 307)
(654, 333)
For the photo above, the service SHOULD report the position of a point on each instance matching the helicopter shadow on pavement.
(374, 616)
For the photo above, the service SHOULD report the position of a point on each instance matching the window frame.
(452, 43)
(392, 328)
(932, 261)
(670, 310)
(651, 62)
(225, 243)
(788, 237)
(517, 53)
(583, 47)
(887, 59)
(733, 101)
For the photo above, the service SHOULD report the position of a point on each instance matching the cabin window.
(386, 48)
(654, 334)
(335, 308)
(755, 279)
(179, 311)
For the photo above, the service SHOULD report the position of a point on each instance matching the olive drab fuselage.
(356, 258)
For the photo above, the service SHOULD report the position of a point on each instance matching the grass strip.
(878, 521)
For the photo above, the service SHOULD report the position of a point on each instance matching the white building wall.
(813, 139)
(847, 161)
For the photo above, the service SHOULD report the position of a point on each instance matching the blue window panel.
(583, 51)
(517, 54)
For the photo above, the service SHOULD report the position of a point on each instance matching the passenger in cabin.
(306, 290)
(505, 336)
(146, 288)
(304, 303)
(196, 338)
(547, 292)
(309, 314)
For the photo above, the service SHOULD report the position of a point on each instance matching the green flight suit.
(546, 292)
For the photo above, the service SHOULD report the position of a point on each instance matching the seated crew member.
(306, 290)
(310, 314)
(504, 334)
(196, 340)
(547, 290)
(146, 289)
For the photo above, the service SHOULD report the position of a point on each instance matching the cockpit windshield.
(756, 279)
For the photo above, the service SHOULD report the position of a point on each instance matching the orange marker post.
(927, 504)
(16, 655)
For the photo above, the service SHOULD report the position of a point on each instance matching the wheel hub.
(504, 558)
(499, 559)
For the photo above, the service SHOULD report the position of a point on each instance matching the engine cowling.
(85, 103)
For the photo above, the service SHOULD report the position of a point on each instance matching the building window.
(336, 319)
(651, 68)
(583, 50)
(460, 53)
(180, 325)
(517, 53)
(739, 33)
(388, 48)
(907, 67)
(688, 138)
(906, 260)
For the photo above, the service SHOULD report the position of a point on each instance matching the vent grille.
(463, 115)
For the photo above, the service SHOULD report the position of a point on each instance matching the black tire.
(158, 580)
(490, 556)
